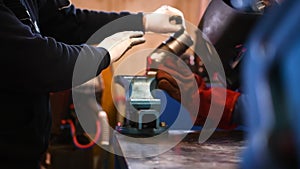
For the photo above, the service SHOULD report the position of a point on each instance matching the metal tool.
(176, 45)
(142, 109)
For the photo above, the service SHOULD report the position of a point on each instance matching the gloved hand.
(165, 19)
(176, 78)
(118, 43)
(172, 74)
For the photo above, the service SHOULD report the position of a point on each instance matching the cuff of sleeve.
(105, 61)
(141, 15)
(239, 110)
(226, 120)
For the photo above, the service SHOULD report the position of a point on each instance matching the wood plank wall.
(192, 9)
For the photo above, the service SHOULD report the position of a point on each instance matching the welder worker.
(40, 42)
(226, 26)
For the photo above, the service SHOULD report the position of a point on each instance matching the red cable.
(75, 141)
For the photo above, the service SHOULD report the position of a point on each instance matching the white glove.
(163, 20)
(118, 43)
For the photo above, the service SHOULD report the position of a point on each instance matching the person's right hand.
(118, 43)
(165, 19)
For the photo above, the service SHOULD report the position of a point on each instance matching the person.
(228, 41)
(40, 42)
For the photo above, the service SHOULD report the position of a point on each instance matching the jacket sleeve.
(32, 62)
(61, 20)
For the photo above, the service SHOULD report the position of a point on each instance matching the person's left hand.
(118, 43)
(165, 19)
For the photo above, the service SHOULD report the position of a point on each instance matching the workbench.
(222, 150)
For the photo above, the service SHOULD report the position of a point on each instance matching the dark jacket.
(32, 64)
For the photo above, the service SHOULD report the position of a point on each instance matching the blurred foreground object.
(272, 83)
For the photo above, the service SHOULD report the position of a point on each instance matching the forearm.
(51, 66)
(41, 63)
(76, 26)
